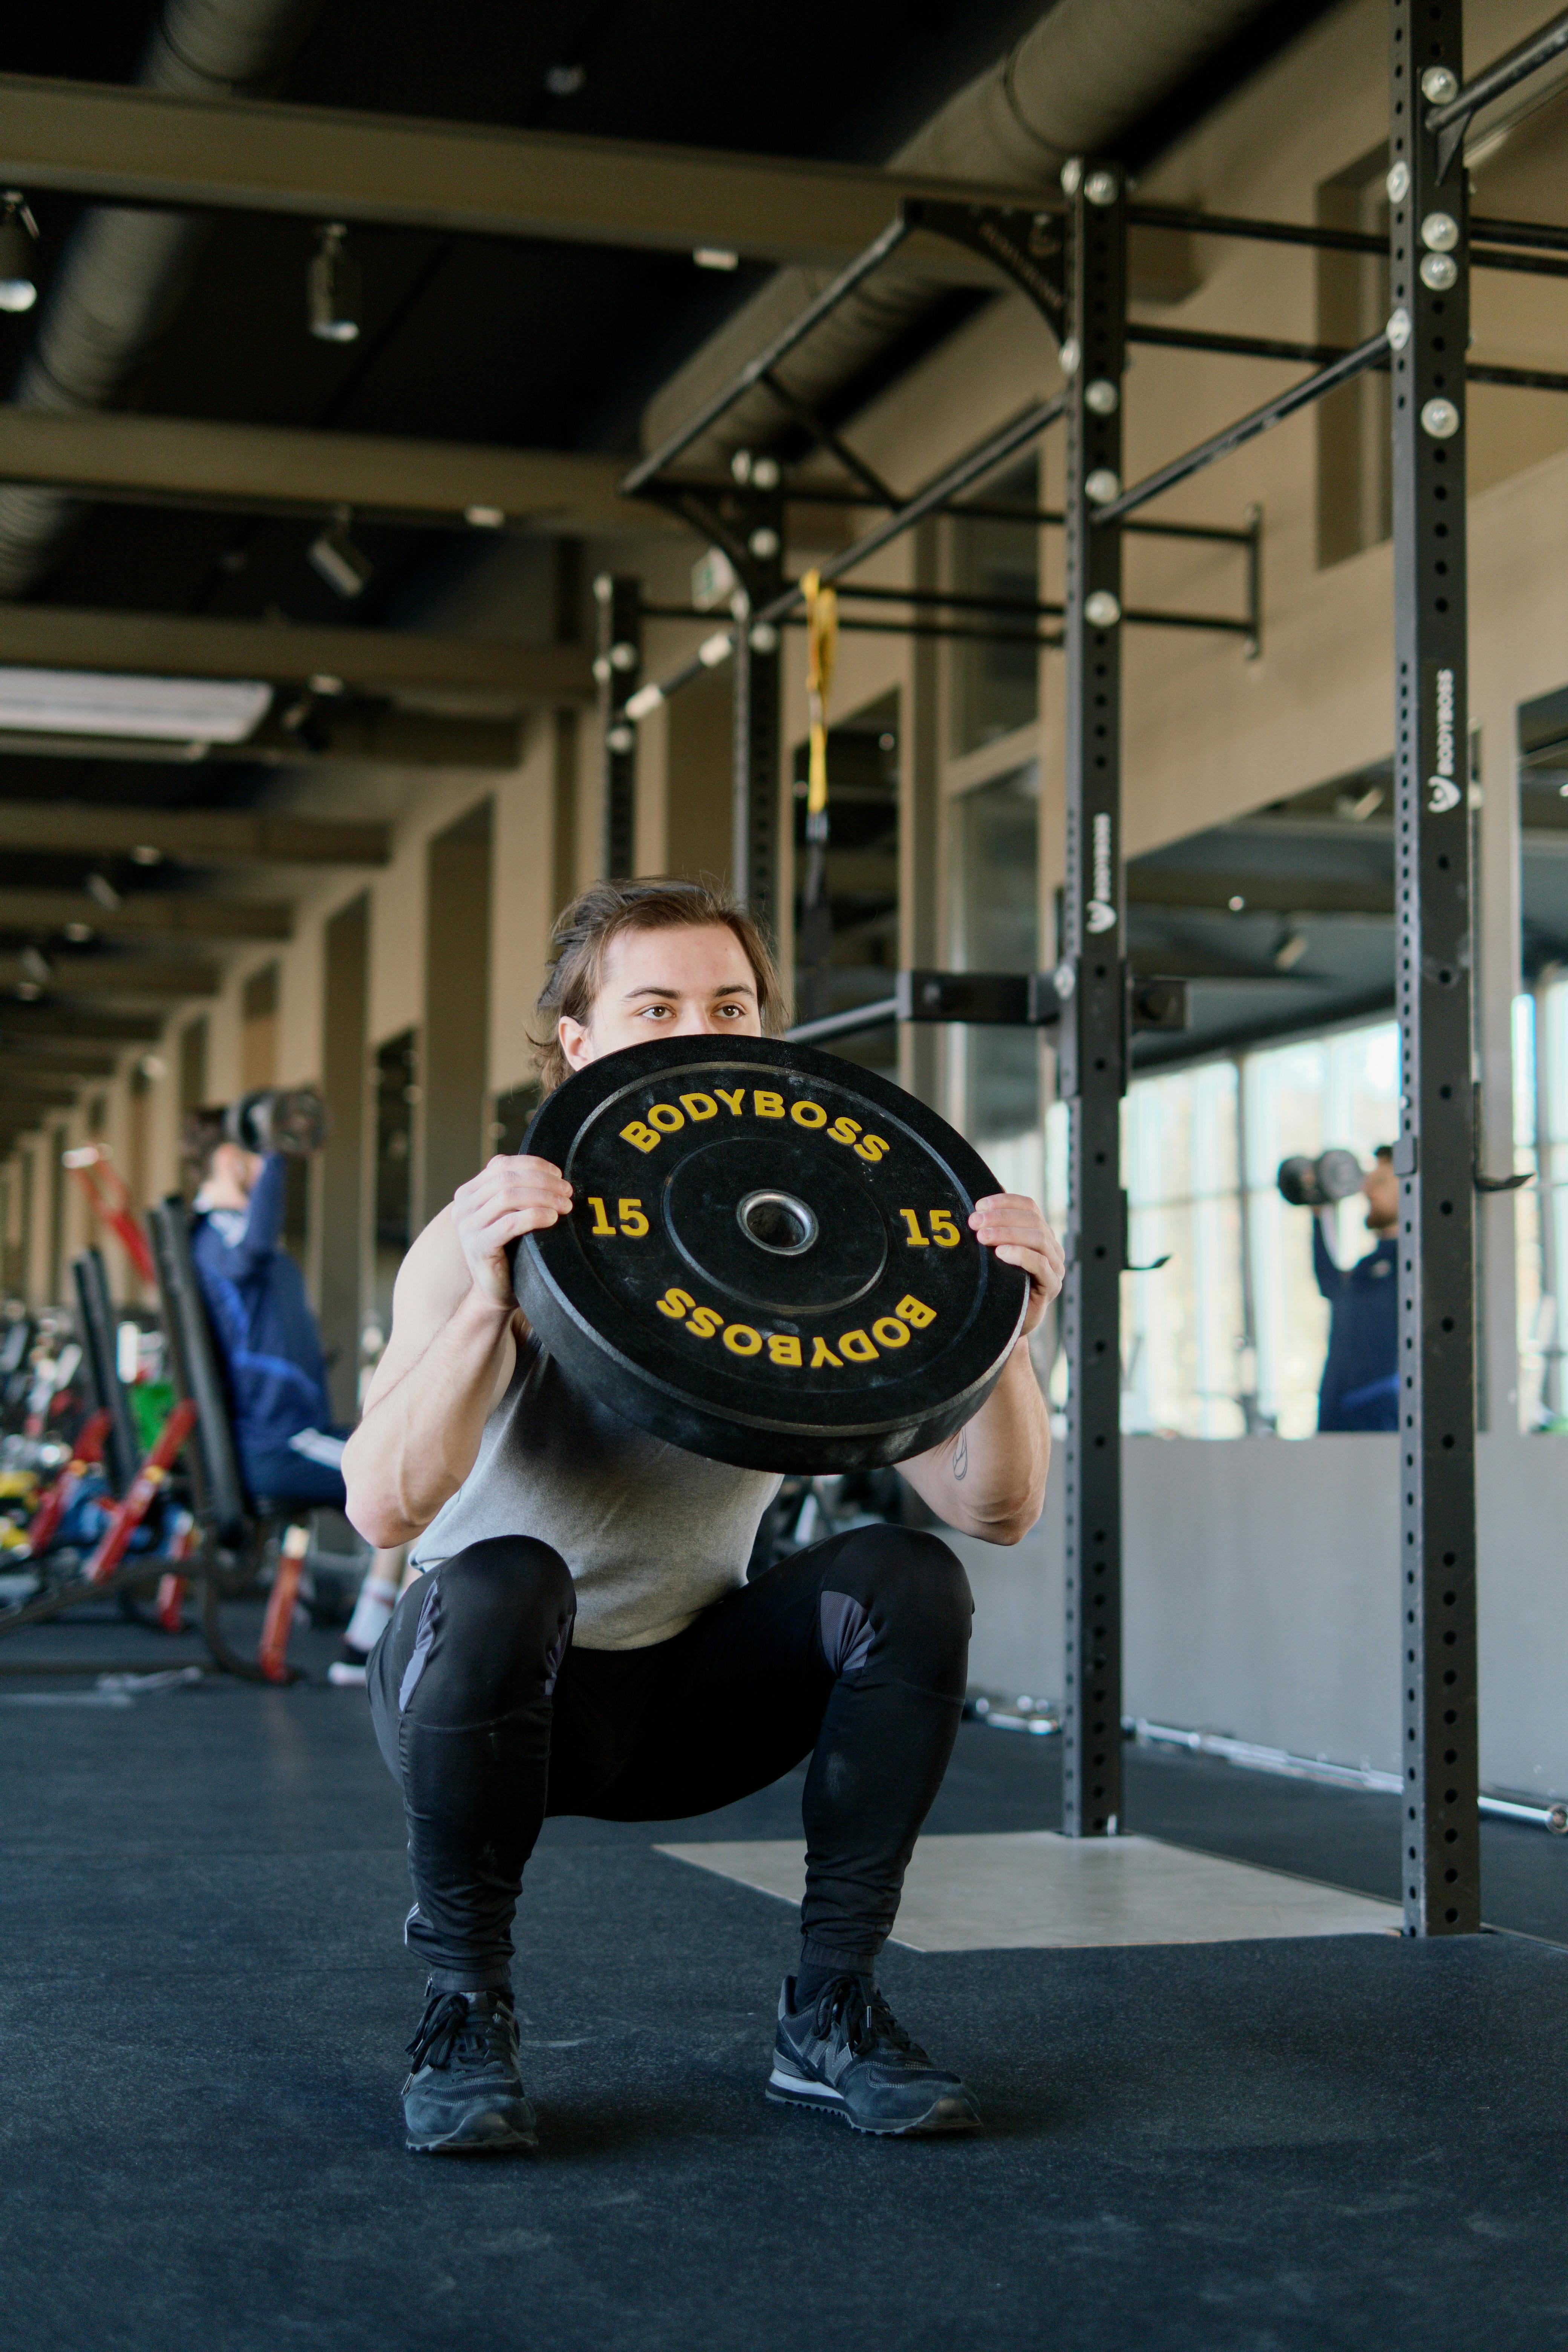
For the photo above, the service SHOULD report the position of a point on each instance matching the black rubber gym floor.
(1282, 2147)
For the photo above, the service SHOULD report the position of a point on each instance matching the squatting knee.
(914, 1586)
(493, 1627)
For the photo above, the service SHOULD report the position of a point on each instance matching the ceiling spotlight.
(18, 236)
(78, 934)
(716, 256)
(28, 991)
(333, 289)
(1236, 903)
(145, 854)
(36, 965)
(564, 80)
(1290, 950)
(306, 721)
(99, 888)
(346, 568)
(1359, 806)
(485, 518)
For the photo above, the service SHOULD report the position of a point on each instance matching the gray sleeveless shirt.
(652, 1535)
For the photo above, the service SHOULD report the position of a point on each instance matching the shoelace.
(452, 2028)
(868, 2023)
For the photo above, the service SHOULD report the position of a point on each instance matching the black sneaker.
(848, 2055)
(463, 2095)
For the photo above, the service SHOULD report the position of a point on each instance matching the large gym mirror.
(1281, 922)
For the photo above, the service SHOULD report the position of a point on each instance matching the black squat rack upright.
(1069, 256)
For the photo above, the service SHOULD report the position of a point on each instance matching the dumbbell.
(1319, 1183)
(277, 1118)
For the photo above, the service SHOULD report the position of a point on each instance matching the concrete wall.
(1262, 1599)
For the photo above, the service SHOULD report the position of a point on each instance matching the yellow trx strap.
(821, 647)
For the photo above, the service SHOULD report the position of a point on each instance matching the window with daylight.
(1183, 1327)
(1540, 1209)
(1224, 1329)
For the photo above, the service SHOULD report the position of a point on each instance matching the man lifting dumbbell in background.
(584, 1640)
(1359, 1387)
(266, 1332)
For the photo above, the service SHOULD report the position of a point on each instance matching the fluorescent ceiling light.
(99, 702)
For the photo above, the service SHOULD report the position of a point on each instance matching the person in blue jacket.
(288, 1443)
(1359, 1387)
(265, 1330)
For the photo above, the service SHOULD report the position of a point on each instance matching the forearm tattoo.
(961, 1456)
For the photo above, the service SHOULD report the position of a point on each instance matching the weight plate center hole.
(777, 1222)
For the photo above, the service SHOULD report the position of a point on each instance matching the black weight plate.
(768, 1259)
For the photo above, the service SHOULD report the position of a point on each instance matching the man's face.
(1382, 1190)
(695, 982)
(235, 1169)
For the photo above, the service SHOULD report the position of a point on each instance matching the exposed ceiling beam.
(84, 1062)
(173, 976)
(35, 1098)
(151, 915)
(207, 836)
(1261, 894)
(23, 1026)
(331, 732)
(141, 146)
(170, 645)
(110, 454)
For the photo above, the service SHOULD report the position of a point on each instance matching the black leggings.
(853, 1652)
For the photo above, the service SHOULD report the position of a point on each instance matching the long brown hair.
(582, 937)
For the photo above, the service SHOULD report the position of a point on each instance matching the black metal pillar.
(618, 665)
(1429, 328)
(1092, 1050)
(756, 815)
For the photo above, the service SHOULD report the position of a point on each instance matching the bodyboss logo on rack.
(1442, 789)
(1101, 912)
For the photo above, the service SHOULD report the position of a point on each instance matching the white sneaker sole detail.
(800, 2087)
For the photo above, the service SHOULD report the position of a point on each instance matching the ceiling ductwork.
(1076, 83)
(123, 273)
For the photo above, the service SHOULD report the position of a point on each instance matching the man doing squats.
(585, 1641)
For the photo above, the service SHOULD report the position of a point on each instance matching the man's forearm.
(1008, 1446)
(990, 1480)
(417, 1443)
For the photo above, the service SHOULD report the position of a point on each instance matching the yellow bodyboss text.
(646, 1133)
(887, 1334)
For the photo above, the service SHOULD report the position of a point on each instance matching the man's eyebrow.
(657, 988)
